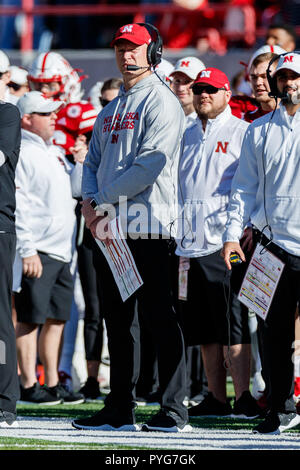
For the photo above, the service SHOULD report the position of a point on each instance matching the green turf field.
(86, 409)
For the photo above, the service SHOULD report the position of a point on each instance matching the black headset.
(274, 92)
(154, 50)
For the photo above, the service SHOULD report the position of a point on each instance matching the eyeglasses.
(104, 102)
(44, 114)
(211, 90)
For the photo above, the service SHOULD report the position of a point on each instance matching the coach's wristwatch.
(94, 204)
(98, 208)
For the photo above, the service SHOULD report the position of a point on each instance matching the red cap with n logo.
(134, 33)
(214, 77)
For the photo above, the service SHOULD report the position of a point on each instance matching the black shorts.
(207, 316)
(50, 296)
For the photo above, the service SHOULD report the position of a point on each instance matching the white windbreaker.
(45, 218)
(134, 153)
(190, 119)
(206, 169)
(277, 143)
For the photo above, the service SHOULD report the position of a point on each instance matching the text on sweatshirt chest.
(120, 122)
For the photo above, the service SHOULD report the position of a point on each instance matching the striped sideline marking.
(58, 429)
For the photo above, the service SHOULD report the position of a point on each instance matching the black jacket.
(10, 139)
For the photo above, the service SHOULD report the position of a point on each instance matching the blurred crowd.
(52, 234)
(208, 25)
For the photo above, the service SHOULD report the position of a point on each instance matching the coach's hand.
(88, 212)
(32, 266)
(228, 249)
(100, 229)
(80, 149)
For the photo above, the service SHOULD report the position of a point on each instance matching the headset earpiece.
(154, 50)
(274, 92)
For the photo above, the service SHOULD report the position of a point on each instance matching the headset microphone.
(135, 67)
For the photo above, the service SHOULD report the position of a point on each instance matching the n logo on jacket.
(222, 146)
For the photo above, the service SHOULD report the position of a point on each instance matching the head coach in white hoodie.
(134, 153)
(266, 192)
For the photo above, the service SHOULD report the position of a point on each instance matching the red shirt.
(250, 116)
(73, 120)
(242, 104)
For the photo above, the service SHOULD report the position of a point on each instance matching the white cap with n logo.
(290, 61)
(190, 66)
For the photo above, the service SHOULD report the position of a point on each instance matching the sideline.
(60, 429)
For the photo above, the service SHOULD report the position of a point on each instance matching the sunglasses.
(209, 89)
(44, 114)
(14, 86)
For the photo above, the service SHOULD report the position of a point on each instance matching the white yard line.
(57, 429)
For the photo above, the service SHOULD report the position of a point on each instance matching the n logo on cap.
(205, 73)
(127, 28)
(288, 58)
(185, 63)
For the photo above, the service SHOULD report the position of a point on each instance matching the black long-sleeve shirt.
(10, 138)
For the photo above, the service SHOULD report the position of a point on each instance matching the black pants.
(157, 307)
(277, 334)
(93, 316)
(148, 377)
(9, 384)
